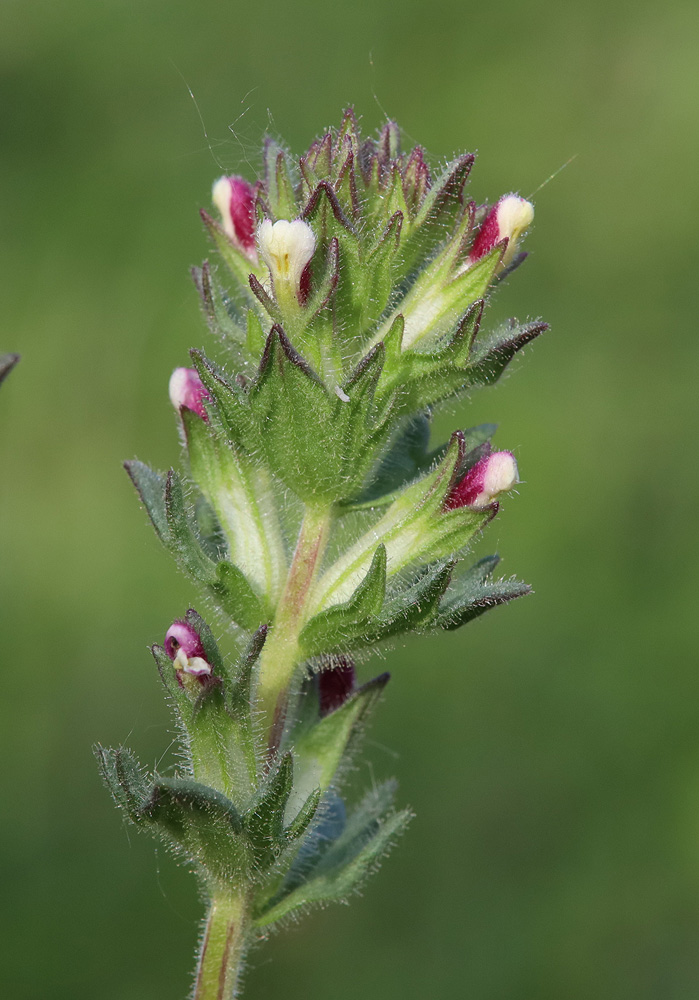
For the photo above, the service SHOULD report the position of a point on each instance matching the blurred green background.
(551, 750)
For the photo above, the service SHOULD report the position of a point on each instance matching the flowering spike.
(507, 220)
(484, 482)
(186, 390)
(235, 200)
(353, 300)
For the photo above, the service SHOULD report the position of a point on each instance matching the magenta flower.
(507, 220)
(184, 647)
(234, 197)
(186, 389)
(492, 475)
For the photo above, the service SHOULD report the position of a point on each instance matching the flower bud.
(235, 200)
(186, 389)
(287, 249)
(492, 475)
(184, 647)
(507, 220)
(335, 683)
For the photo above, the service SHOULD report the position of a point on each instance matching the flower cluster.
(316, 516)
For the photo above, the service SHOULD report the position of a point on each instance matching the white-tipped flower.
(287, 249)
(496, 473)
(186, 390)
(508, 220)
(184, 647)
(235, 200)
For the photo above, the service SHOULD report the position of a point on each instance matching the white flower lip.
(499, 475)
(514, 215)
(221, 197)
(286, 248)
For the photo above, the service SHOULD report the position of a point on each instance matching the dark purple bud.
(335, 683)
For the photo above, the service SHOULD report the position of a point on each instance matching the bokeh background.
(551, 750)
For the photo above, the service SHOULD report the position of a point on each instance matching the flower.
(184, 647)
(234, 197)
(479, 487)
(287, 249)
(507, 220)
(186, 389)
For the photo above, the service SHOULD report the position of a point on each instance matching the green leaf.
(125, 779)
(237, 598)
(224, 318)
(473, 594)
(320, 749)
(340, 624)
(296, 411)
(235, 260)
(411, 606)
(440, 207)
(303, 818)
(230, 403)
(341, 870)
(151, 489)
(264, 821)
(278, 182)
(491, 357)
(184, 540)
(202, 825)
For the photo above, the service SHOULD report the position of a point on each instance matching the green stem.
(281, 653)
(222, 949)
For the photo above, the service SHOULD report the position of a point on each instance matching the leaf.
(340, 624)
(343, 867)
(472, 594)
(151, 489)
(320, 749)
(295, 409)
(125, 779)
(202, 825)
(490, 358)
(236, 261)
(183, 537)
(264, 821)
(237, 598)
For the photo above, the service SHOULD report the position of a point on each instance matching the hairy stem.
(281, 651)
(222, 949)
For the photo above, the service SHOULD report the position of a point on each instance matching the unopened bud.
(335, 683)
(184, 647)
(482, 484)
(507, 220)
(287, 249)
(235, 200)
(186, 389)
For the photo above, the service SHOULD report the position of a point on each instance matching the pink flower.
(492, 475)
(186, 389)
(235, 200)
(184, 647)
(507, 220)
